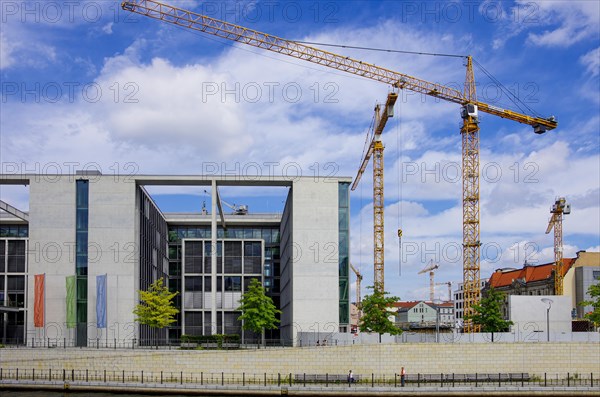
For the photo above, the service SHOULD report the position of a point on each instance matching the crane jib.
(229, 31)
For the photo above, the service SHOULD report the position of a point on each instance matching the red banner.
(38, 300)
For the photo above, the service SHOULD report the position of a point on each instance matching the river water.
(30, 393)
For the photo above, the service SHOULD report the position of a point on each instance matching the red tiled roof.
(528, 273)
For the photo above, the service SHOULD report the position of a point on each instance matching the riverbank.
(333, 390)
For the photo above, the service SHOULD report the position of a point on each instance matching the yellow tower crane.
(359, 278)
(467, 100)
(376, 150)
(559, 208)
(431, 267)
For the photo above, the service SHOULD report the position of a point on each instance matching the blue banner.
(101, 301)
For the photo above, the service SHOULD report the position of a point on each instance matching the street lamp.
(549, 302)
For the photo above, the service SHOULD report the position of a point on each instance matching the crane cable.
(380, 49)
(399, 187)
(512, 97)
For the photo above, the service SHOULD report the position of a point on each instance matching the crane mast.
(431, 267)
(559, 208)
(376, 150)
(467, 100)
(359, 278)
(470, 199)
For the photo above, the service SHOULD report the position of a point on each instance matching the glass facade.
(238, 261)
(153, 258)
(197, 261)
(81, 258)
(13, 282)
(21, 231)
(343, 252)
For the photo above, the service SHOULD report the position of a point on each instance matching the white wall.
(528, 313)
(315, 287)
(113, 249)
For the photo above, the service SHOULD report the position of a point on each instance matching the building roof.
(502, 278)
(410, 304)
(406, 305)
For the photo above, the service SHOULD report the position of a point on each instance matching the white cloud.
(591, 61)
(108, 28)
(6, 52)
(576, 20)
(548, 23)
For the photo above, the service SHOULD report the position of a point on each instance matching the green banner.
(71, 301)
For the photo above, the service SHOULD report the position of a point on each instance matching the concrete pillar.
(213, 258)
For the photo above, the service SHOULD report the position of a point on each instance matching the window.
(233, 283)
(596, 275)
(233, 257)
(193, 284)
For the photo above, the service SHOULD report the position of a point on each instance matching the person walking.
(402, 376)
(350, 378)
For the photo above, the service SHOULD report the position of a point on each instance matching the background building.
(85, 228)
(422, 315)
(580, 272)
(459, 302)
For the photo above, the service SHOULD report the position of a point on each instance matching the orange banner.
(38, 300)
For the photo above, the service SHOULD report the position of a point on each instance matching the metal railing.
(370, 380)
(134, 343)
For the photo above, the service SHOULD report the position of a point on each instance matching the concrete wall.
(532, 358)
(51, 248)
(528, 313)
(315, 286)
(113, 249)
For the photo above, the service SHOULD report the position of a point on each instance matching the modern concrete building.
(84, 228)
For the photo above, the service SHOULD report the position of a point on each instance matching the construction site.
(217, 153)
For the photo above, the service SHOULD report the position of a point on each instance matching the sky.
(85, 85)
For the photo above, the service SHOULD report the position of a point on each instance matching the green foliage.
(258, 311)
(488, 313)
(594, 315)
(156, 308)
(216, 338)
(375, 313)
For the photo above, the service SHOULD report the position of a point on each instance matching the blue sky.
(84, 82)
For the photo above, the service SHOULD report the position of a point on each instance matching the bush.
(219, 339)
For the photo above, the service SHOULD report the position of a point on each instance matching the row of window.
(12, 256)
(269, 234)
(200, 322)
(224, 283)
(14, 231)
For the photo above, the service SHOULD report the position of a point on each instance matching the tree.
(488, 313)
(594, 293)
(156, 309)
(375, 314)
(258, 311)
